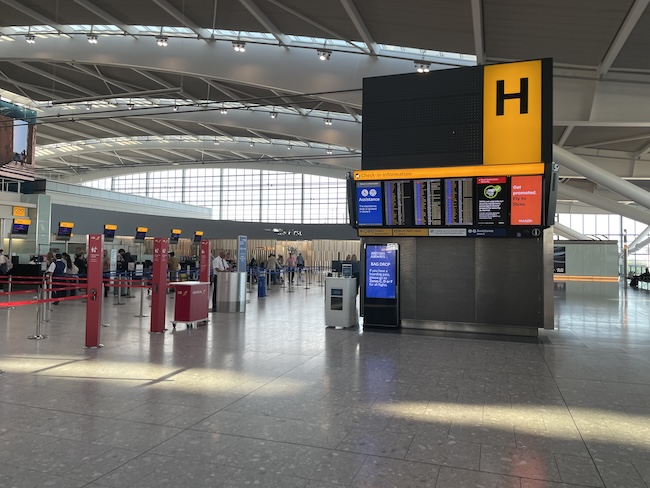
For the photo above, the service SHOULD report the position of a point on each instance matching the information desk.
(231, 292)
(190, 302)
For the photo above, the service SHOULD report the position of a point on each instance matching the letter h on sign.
(522, 95)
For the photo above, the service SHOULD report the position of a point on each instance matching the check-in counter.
(231, 292)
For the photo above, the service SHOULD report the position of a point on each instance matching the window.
(245, 195)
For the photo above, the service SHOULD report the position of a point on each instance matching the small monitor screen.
(109, 234)
(19, 229)
(139, 236)
(197, 238)
(173, 239)
(64, 232)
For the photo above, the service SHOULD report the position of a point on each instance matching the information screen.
(398, 205)
(19, 229)
(427, 199)
(369, 203)
(459, 198)
(173, 239)
(109, 234)
(492, 197)
(139, 235)
(64, 232)
(381, 271)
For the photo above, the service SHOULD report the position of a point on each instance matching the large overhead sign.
(460, 152)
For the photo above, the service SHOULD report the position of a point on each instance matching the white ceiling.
(599, 47)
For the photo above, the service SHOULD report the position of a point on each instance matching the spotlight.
(161, 41)
(216, 141)
(30, 38)
(92, 38)
(240, 47)
(423, 67)
(175, 108)
(289, 147)
(130, 106)
(329, 151)
(274, 115)
(224, 111)
(328, 121)
(251, 144)
(324, 54)
(89, 106)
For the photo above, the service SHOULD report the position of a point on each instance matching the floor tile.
(387, 473)
(324, 465)
(462, 478)
(445, 452)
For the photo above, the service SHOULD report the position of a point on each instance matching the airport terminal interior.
(523, 359)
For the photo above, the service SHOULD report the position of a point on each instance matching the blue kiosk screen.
(381, 271)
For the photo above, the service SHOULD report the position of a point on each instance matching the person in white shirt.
(219, 265)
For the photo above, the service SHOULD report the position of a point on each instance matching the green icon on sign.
(491, 191)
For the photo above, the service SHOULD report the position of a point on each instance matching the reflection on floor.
(274, 399)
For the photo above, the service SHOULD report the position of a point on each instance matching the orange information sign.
(526, 200)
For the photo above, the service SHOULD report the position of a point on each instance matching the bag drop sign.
(381, 265)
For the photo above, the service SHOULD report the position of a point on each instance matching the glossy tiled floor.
(271, 398)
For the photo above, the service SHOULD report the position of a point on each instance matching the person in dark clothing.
(81, 263)
(56, 271)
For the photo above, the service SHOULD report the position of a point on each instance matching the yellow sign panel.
(410, 232)
(198, 233)
(110, 226)
(450, 172)
(375, 232)
(19, 211)
(512, 113)
(176, 231)
(68, 225)
(22, 221)
(142, 229)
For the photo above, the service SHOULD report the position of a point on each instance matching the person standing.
(219, 265)
(56, 271)
(4, 269)
(300, 263)
(291, 266)
(271, 268)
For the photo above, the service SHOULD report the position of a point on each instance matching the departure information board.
(473, 206)
(427, 196)
(459, 195)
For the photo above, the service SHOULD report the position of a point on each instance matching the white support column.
(569, 233)
(633, 213)
(602, 177)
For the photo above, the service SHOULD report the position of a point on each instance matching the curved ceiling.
(153, 106)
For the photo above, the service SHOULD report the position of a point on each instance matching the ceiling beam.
(326, 30)
(152, 156)
(180, 16)
(360, 25)
(99, 127)
(54, 78)
(565, 135)
(70, 131)
(479, 35)
(266, 22)
(642, 152)
(36, 16)
(137, 127)
(107, 17)
(171, 126)
(28, 86)
(216, 131)
(100, 76)
(180, 155)
(615, 141)
(626, 28)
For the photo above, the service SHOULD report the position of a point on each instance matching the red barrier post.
(159, 285)
(205, 261)
(94, 288)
